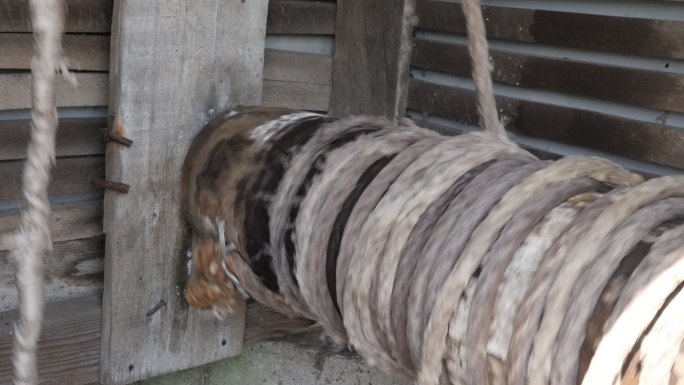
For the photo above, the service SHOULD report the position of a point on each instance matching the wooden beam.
(646, 88)
(650, 142)
(626, 35)
(91, 90)
(83, 52)
(67, 221)
(287, 17)
(84, 16)
(372, 50)
(75, 137)
(172, 70)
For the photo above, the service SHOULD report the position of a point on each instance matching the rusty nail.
(109, 185)
(114, 137)
(156, 308)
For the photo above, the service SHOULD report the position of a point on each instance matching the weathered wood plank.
(637, 140)
(75, 137)
(301, 18)
(67, 221)
(212, 55)
(301, 96)
(643, 37)
(84, 52)
(74, 269)
(84, 16)
(69, 176)
(654, 89)
(297, 67)
(69, 343)
(372, 50)
(91, 90)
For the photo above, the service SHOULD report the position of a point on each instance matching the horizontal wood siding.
(604, 82)
(293, 77)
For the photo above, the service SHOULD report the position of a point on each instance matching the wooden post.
(174, 65)
(372, 52)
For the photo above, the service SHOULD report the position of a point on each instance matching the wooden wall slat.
(84, 16)
(642, 37)
(74, 269)
(69, 176)
(297, 67)
(92, 90)
(372, 55)
(69, 346)
(84, 52)
(652, 89)
(301, 96)
(75, 137)
(67, 222)
(300, 18)
(70, 341)
(638, 140)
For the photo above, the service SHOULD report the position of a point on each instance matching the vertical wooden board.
(175, 64)
(372, 49)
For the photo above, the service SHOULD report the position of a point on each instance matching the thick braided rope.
(33, 244)
(482, 68)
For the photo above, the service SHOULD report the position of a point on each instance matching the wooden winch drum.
(462, 260)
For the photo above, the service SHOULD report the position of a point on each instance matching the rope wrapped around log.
(441, 260)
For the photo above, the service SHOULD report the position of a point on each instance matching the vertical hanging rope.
(482, 68)
(33, 243)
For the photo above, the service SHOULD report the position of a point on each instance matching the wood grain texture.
(69, 343)
(638, 140)
(75, 137)
(372, 49)
(68, 221)
(654, 89)
(84, 16)
(175, 64)
(301, 96)
(301, 18)
(634, 36)
(83, 52)
(69, 176)
(74, 269)
(91, 91)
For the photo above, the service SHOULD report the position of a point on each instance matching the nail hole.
(223, 343)
(131, 367)
(667, 65)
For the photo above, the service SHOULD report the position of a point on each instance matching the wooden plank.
(70, 341)
(75, 137)
(654, 89)
(632, 36)
(91, 90)
(84, 16)
(372, 50)
(286, 17)
(637, 140)
(74, 269)
(68, 221)
(300, 96)
(69, 346)
(297, 67)
(172, 71)
(69, 176)
(84, 52)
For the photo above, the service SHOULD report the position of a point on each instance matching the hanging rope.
(33, 243)
(482, 67)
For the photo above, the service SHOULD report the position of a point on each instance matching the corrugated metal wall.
(599, 77)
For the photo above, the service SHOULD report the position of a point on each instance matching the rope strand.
(33, 243)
